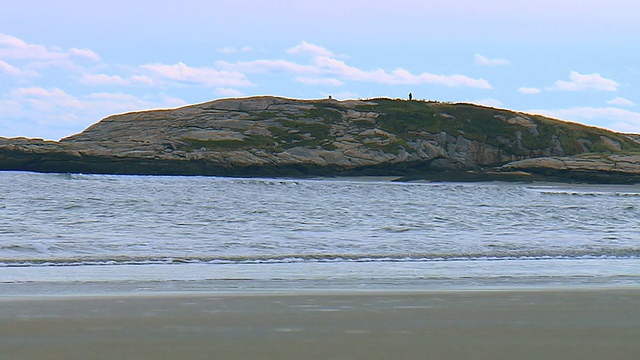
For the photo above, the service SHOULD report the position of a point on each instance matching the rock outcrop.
(270, 136)
(589, 167)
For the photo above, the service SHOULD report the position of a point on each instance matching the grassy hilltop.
(492, 126)
(404, 121)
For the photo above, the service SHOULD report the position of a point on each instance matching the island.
(266, 136)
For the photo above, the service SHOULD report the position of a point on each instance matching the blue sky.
(66, 64)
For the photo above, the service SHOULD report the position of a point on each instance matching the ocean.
(74, 233)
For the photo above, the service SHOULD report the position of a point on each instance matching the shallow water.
(207, 233)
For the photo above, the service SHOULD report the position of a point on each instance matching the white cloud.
(112, 96)
(227, 50)
(620, 101)
(484, 61)
(110, 103)
(529, 90)
(580, 82)
(13, 48)
(47, 97)
(231, 49)
(103, 79)
(319, 81)
(141, 80)
(324, 63)
(306, 48)
(26, 111)
(52, 100)
(37, 57)
(266, 66)
(11, 70)
(205, 76)
(608, 117)
(397, 76)
(488, 102)
(454, 81)
(11, 42)
(228, 92)
(46, 102)
(341, 69)
(84, 53)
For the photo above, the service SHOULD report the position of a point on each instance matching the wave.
(318, 258)
(589, 192)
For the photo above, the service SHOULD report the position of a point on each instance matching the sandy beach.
(497, 324)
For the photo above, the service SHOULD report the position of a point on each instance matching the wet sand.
(501, 324)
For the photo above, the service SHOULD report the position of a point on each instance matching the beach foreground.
(497, 324)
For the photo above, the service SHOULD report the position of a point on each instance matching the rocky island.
(273, 136)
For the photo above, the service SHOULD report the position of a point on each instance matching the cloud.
(32, 58)
(333, 66)
(226, 50)
(7, 41)
(607, 117)
(205, 76)
(581, 82)
(27, 110)
(51, 100)
(488, 102)
(228, 92)
(14, 48)
(305, 48)
(231, 50)
(484, 61)
(578, 82)
(324, 63)
(323, 69)
(267, 66)
(529, 90)
(11, 70)
(395, 77)
(319, 81)
(54, 95)
(46, 101)
(454, 81)
(110, 103)
(84, 53)
(620, 101)
(103, 79)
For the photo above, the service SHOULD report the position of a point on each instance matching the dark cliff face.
(269, 136)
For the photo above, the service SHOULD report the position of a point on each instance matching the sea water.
(63, 233)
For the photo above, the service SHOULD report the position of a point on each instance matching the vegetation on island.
(326, 123)
(492, 126)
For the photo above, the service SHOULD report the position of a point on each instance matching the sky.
(66, 64)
